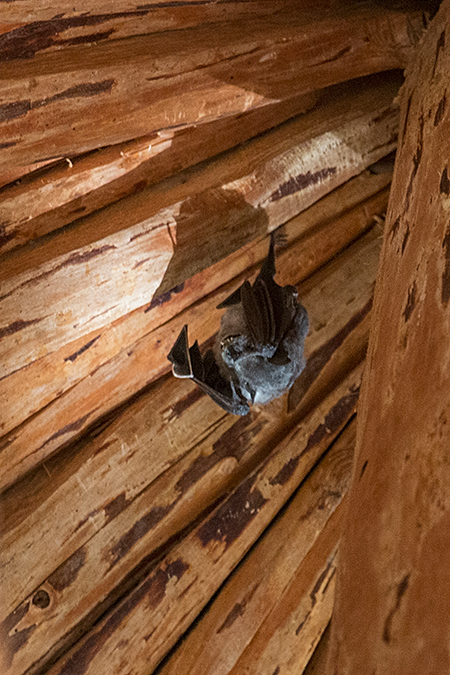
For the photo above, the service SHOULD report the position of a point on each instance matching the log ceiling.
(146, 154)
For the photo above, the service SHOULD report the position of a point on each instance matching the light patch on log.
(84, 290)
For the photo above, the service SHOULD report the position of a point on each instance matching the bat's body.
(259, 348)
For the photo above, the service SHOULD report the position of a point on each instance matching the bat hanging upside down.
(258, 351)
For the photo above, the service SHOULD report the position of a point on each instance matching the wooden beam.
(392, 611)
(32, 28)
(169, 482)
(118, 377)
(233, 634)
(196, 567)
(277, 174)
(69, 289)
(73, 188)
(183, 77)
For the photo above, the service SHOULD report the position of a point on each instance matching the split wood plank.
(164, 604)
(178, 78)
(32, 27)
(78, 186)
(114, 529)
(145, 359)
(392, 610)
(232, 623)
(318, 662)
(46, 306)
(16, 173)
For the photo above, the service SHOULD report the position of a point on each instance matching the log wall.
(146, 155)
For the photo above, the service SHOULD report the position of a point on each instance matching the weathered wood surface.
(318, 662)
(30, 28)
(123, 374)
(231, 629)
(163, 605)
(392, 612)
(66, 298)
(287, 638)
(261, 184)
(45, 307)
(73, 188)
(177, 78)
(124, 511)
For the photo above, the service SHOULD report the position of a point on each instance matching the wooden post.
(392, 613)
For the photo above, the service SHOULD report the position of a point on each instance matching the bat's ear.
(233, 299)
(180, 357)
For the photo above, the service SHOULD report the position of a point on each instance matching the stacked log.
(148, 154)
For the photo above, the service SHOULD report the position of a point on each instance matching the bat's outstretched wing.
(268, 308)
(188, 362)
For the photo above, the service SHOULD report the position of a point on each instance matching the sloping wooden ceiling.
(145, 155)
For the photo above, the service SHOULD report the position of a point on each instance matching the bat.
(258, 352)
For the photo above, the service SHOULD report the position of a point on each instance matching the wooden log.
(81, 185)
(287, 638)
(194, 569)
(33, 27)
(113, 529)
(29, 389)
(17, 173)
(177, 78)
(124, 374)
(233, 625)
(266, 182)
(42, 502)
(392, 610)
(34, 303)
(318, 663)
(64, 299)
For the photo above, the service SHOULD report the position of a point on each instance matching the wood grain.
(194, 569)
(392, 612)
(168, 481)
(145, 359)
(52, 103)
(231, 630)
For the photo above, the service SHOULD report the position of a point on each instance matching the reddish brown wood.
(52, 103)
(245, 616)
(392, 614)
(123, 374)
(170, 597)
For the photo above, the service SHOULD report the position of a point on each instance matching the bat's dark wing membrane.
(188, 362)
(269, 309)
